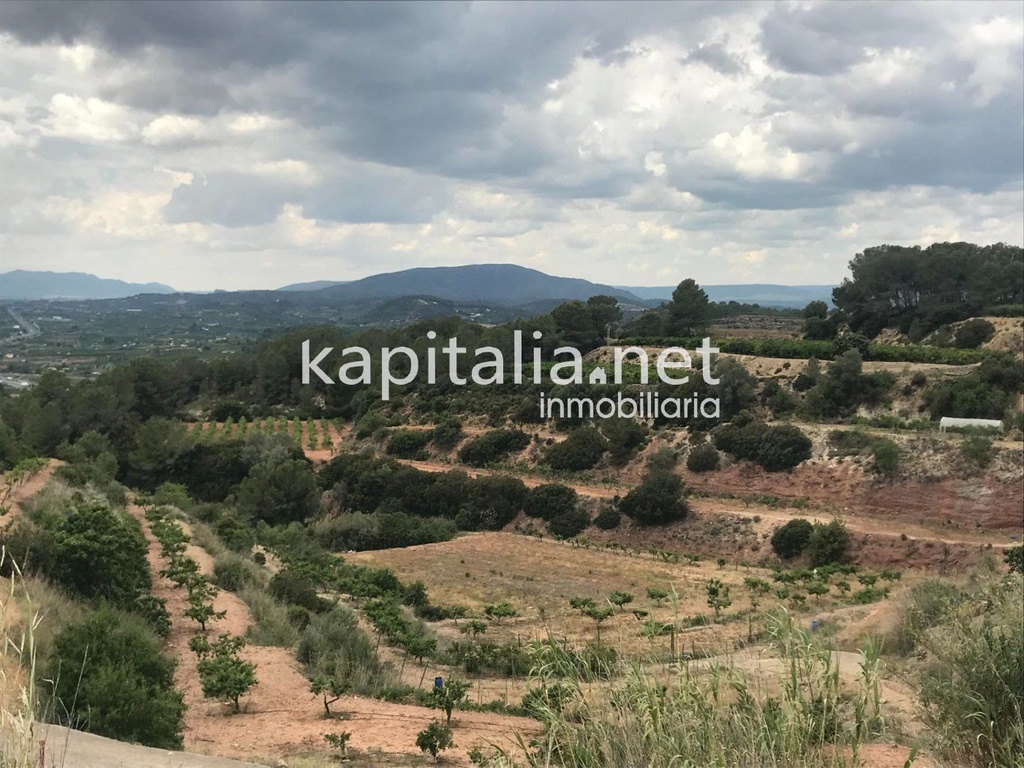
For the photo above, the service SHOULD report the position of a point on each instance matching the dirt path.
(15, 498)
(281, 717)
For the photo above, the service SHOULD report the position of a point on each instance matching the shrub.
(232, 573)
(447, 434)
(569, 524)
(791, 539)
(608, 518)
(110, 677)
(550, 500)
(408, 444)
(783, 448)
(886, 454)
(581, 450)
(828, 544)
(703, 458)
(435, 738)
(493, 447)
(233, 531)
(293, 588)
(99, 553)
(973, 333)
(977, 450)
(279, 493)
(656, 501)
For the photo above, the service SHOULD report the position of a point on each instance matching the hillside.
(26, 285)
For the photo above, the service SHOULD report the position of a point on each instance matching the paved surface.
(74, 749)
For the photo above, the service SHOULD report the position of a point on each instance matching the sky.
(247, 145)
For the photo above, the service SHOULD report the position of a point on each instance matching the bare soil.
(281, 718)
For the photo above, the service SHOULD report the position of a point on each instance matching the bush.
(608, 518)
(232, 573)
(791, 539)
(111, 678)
(550, 500)
(656, 501)
(408, 444)
(703, 458)
(569, 524)
(279, 493)
(977, 451)
(973, 333)
(99, 553)
(233, 531)
(783, 448)
(447, 434)
(828, 544)
(293, 588)
(581, 450)
(493, 447)
(886, 455)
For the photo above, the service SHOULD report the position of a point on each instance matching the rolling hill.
(29, 286)
(491, 283)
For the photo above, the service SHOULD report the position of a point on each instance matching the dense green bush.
(493, 446)
(550, 500)
(99, 554)
(295, 589)
(110, 677)
(886, 455)
(973, 333)
(773, 448)
(493, 503)
(656, 501)
(608, 518)
(408, 444)
(581, 450)
(791, 539)
(279, 493)
(447, 434)
(703, 458)
(569, 524)
(828, 544)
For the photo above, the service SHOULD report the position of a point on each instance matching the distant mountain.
(492, 283)
(25, 285)
(316, 285)
(767, 295)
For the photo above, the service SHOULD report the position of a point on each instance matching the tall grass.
(19, 697)
(972, 689)
(715, 713)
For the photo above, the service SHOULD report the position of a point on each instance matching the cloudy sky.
(239, 145)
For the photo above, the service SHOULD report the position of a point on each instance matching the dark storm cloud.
(827, 38)
(717, 57)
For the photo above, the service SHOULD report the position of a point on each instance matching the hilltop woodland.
(306, 496)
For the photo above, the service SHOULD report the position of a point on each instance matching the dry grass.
(539, 577)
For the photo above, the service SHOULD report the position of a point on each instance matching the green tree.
(100, 554)
(689, 312)
(223, 674)
(279, 494)
(498, 612)
(620, 599)
(435, 738)
(449, 696)
(790, 539)
(828, 544)
(718, 596)
(656, 501)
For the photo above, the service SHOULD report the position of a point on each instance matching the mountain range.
(26, 285)
(505, 285)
